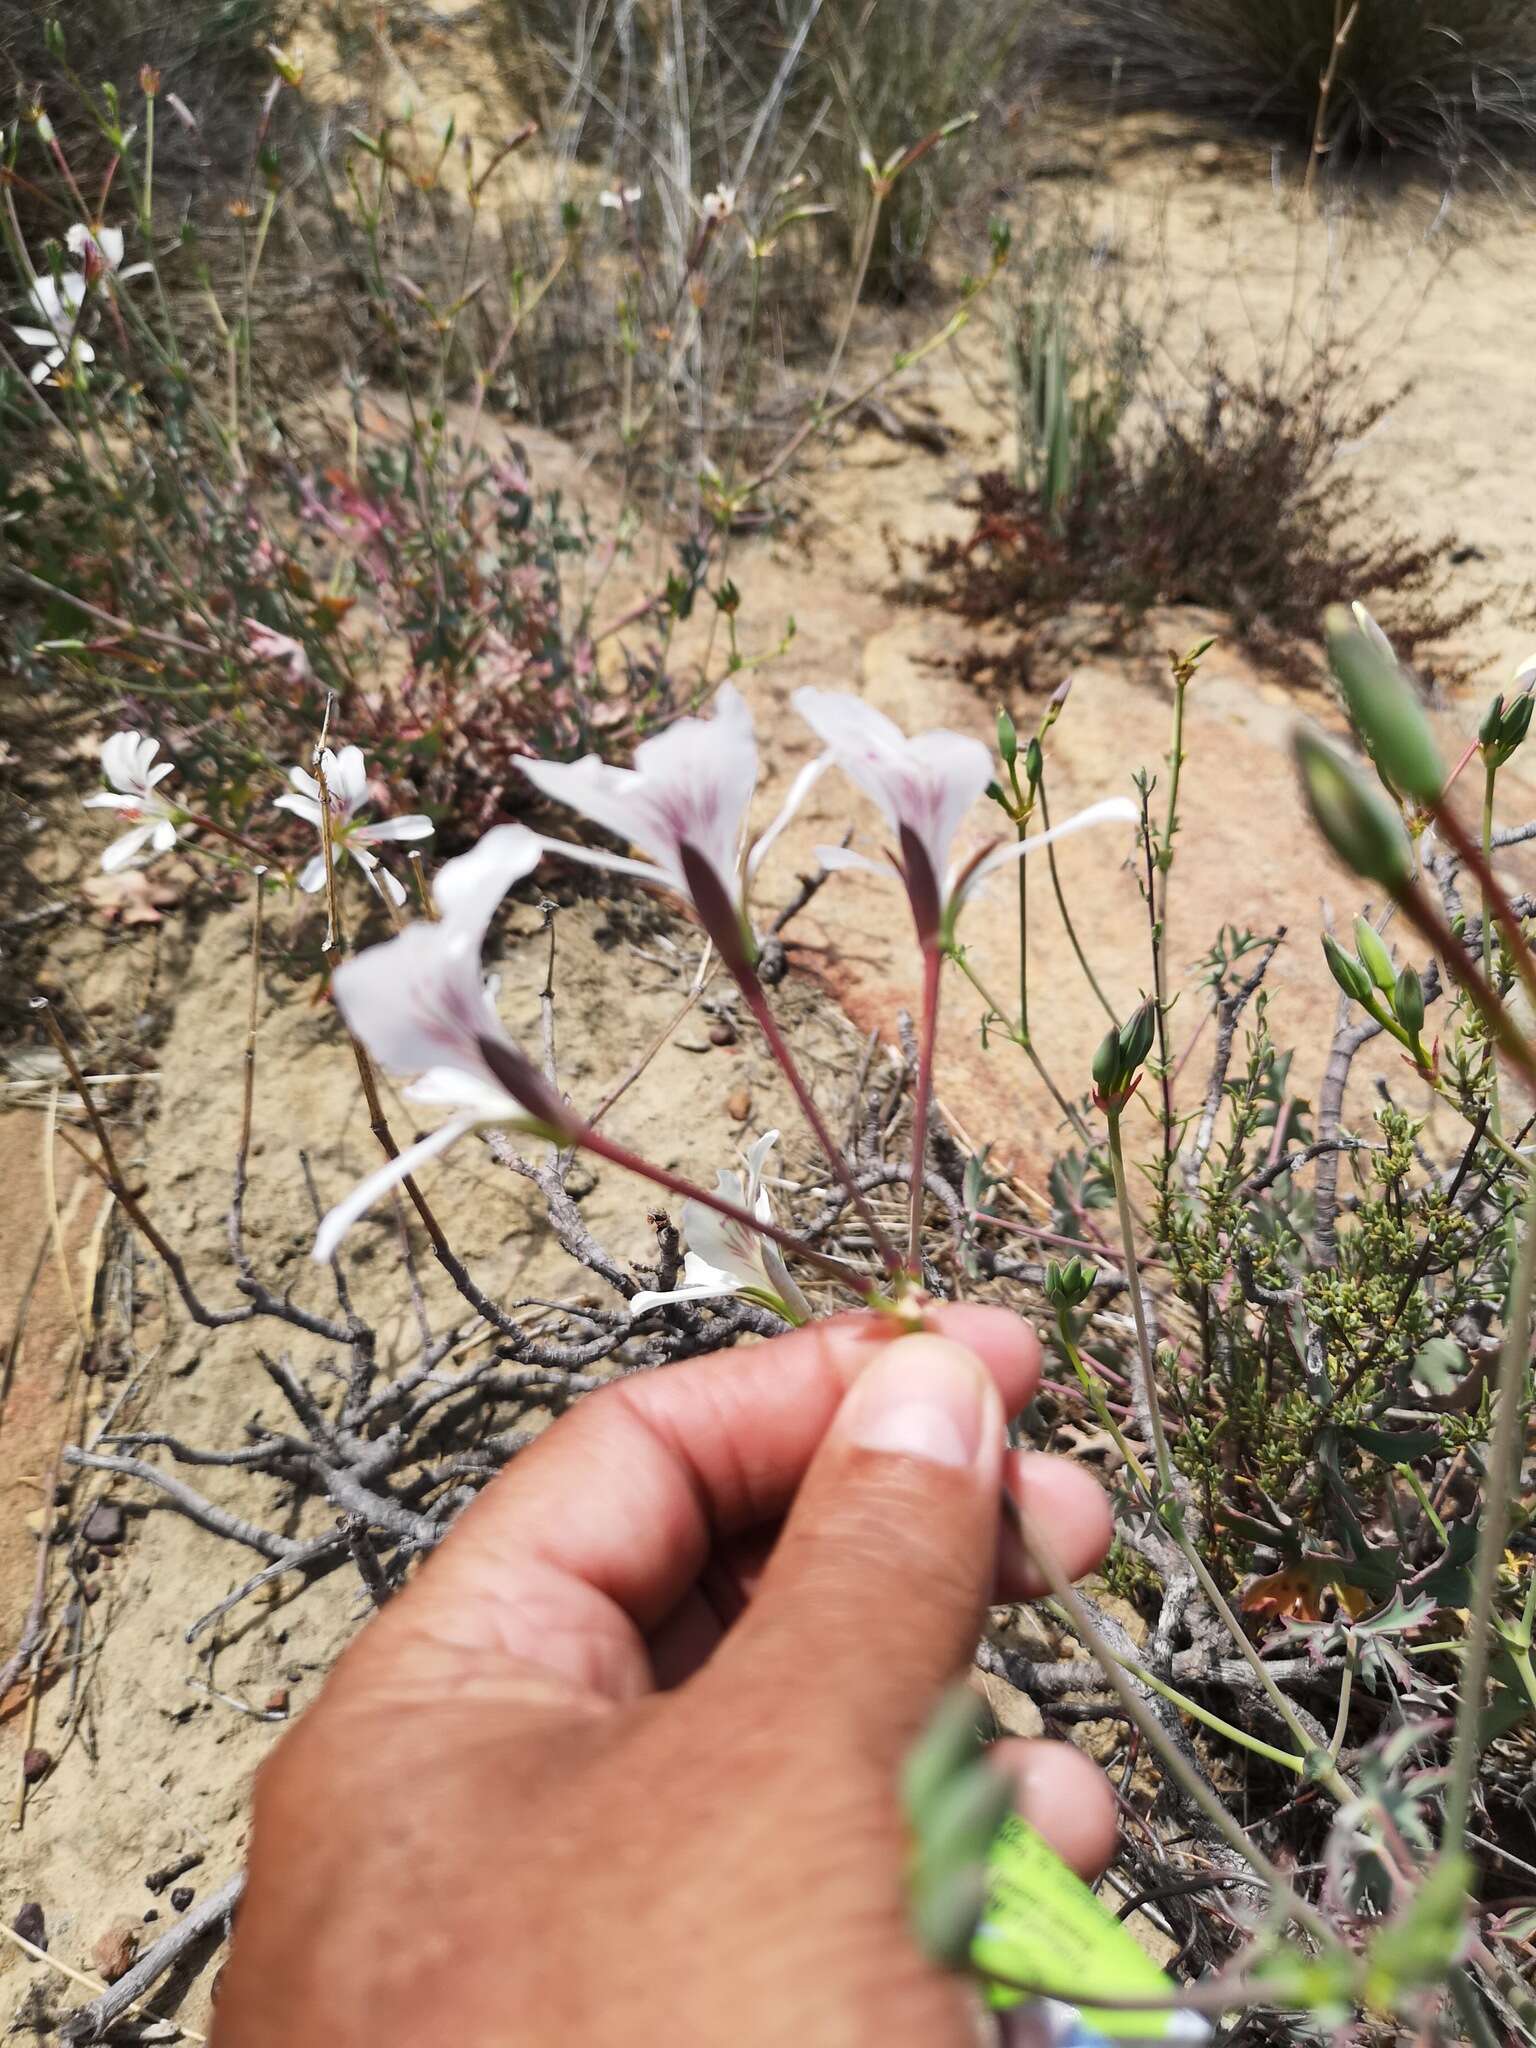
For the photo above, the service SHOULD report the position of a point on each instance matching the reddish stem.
(1498, 901)
(933, 961)
(589, 1140)
(757, 1002)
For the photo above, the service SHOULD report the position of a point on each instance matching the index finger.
(598, 1530)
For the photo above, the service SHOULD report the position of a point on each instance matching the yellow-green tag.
(1044, 1927)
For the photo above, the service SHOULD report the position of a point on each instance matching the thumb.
(886, 1558)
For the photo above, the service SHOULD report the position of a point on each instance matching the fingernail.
(923, 1398)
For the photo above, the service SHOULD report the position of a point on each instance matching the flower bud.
(149, 81)
(1346, 970)
(1491, 731)
(53, 38)
(1068, 1285)
(1136, 1035)
(1007, 739)
(1374, 957)
(1106, 1063)
(1034, 764)
(1355, 820)
(1408, 1001)
(1504, 728)
(1384, 709)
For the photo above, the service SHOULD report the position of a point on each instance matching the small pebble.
(116, 1952)
(152, 1914)
(36, 1765)
(182, 1897)
(738, 1105)
(104, 1524)
(277, 1700)
(30, 1924)
(722, 1032)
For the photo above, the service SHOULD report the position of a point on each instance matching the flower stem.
(1025, 1044)
(1498, 1489)
(933, 964)
(757, 1003)
(1066, 916)
(589, 1140)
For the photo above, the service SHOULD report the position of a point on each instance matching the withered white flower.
(346, 782)
(724, 1257)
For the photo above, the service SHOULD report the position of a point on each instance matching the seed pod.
(1385, 711)
(1408, 1001)
(1374, 957)
(1365, 833)
(1346, 970)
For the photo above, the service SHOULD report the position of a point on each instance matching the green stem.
(1099, 1405)
(1025, 1045)
(1499, 1487)
(1066, 916)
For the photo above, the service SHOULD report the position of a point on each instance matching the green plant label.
(1044, 1927)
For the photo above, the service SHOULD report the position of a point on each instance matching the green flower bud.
(1408, 1001)
(1034, 764)
(1517, 721)
(53, 37)
(1374, 957)
(1007, 739)
(1346, 970)
(1385, 711)
(1136, 1035)
(1491, 731)
(1365, 833)
(1106, 1062)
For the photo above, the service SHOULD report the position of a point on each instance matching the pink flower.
(127, 762)
(267, 644)
(421, 1007)
(924, 788)
(346, 782)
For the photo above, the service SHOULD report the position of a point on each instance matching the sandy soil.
(155, 1767)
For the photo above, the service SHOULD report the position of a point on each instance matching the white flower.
(346, 782)
(724, 1257)
(621, 199)
(924, 787)
(421, 1006)
(58, 305)
(267, 644)
(719, 204)
(684, 803)
(127, 762)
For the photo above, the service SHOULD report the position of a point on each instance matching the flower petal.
(312, 875)
(799, 790)
(1110, 810)
(338, 1221)
(468, 889)
(305, 807)
(413, 826)
(122, 851)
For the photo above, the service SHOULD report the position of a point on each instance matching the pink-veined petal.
(925, 784)
(419, 1002)
(338, 1221)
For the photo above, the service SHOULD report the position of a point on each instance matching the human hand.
(621, 1764)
